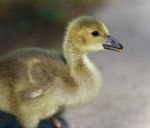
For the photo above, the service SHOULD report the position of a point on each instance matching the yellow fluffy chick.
(37, 83)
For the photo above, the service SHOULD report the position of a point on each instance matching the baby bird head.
(87, 34)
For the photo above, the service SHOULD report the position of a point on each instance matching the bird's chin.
(96, 48)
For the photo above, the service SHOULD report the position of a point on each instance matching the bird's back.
(17, 62)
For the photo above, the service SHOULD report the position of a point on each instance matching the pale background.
(124, 101)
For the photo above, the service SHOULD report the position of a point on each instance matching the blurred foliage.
(49, 10)
(40, 23)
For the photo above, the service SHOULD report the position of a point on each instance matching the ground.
(124, 98)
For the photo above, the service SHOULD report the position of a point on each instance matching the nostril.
(112, 41)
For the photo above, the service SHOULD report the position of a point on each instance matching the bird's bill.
(112, 44)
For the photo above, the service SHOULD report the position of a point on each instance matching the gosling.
(38, 83)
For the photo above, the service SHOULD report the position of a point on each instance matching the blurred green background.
(38, 23)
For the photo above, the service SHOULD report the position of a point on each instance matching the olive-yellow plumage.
(37, 83)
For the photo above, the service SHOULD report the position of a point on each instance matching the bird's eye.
(95, 33)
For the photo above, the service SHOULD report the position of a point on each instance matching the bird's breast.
(88, 87)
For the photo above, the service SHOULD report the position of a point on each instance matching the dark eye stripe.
(95, 33)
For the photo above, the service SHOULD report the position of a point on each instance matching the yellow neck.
(74, 58)
(85, 75)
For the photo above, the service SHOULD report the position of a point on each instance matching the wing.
(32, 72)
(42, 73)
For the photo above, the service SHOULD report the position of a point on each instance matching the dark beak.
(112, 44)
